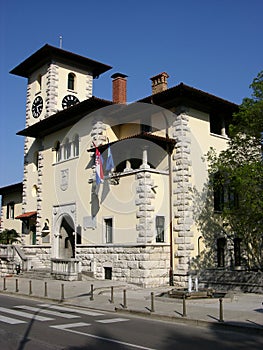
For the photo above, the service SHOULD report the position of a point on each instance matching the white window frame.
(164, 230)
(105, 240)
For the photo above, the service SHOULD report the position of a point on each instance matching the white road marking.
(113, 320)
(25, 314)
(102, 338)
(49, 312)
(68, 309)
(70, 325)
(10, 320)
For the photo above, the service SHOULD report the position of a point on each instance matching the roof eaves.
(64, 118)
(179, 90)
(11, 188)
(47, 52)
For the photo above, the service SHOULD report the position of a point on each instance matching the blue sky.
(212, 45)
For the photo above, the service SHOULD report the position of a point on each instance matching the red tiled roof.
(27, 215)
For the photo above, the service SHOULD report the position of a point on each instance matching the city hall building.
(109, 187)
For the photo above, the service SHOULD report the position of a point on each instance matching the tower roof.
(47, 53)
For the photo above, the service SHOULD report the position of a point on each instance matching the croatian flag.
(110, 163)
(99, 169)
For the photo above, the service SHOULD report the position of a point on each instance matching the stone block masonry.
(145, 209)
(182, 199)
(147, 266)
(52, 90)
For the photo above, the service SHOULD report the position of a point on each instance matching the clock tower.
(57, 79)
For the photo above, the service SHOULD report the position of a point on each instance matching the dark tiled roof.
(64, 118)
(18, 187)
(46, 53)
(165, 142)
(188, 96)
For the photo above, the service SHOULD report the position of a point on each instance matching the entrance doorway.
(66, 238)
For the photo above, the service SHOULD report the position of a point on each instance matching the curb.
(194, 322)
(149, 315)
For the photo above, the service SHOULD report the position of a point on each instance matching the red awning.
(27, 215)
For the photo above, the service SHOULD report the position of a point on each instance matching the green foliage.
(241, 175)
(249, 119)
(9, 237)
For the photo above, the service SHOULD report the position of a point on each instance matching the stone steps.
(36, 274)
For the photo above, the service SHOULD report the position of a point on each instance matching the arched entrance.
(66, 244)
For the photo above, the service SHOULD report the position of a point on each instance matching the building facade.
(109, 187)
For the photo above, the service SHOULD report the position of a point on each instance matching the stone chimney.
(159, 82)
(119, 88)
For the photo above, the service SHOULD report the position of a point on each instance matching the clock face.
(69, 101)
(37, 106)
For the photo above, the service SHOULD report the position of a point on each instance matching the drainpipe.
(171, 271)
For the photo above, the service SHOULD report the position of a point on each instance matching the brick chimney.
(119, 88)
(159, 82)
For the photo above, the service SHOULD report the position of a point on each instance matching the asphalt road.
(33, 325)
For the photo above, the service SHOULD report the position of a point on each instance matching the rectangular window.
(108, 273)
(78, 238)
(10, 210)
(108, 230)
(225, 195)
(159, 224)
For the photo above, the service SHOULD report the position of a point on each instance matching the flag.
(99, 169)
(110, 163)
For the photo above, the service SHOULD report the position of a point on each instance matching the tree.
(249, 119)
(9, 237)
(237, 176)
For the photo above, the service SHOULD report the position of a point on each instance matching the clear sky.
(213, 45)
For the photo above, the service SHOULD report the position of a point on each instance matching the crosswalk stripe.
(68, 309)
(10, 320)
(71, 325)
(113, 320)
(25, 315)
(49, 312)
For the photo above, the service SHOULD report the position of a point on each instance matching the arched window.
(39, 81)
(58, 151)
(76, 145)
(35, 161)
(71, 81)
(67, 149)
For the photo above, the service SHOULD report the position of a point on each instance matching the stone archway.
(66, 245)
(64, 218)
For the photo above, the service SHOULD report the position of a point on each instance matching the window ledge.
(64, 160)
(220, 136)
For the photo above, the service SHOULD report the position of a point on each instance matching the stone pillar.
(182, 193)
(144, 196)
(223, 128)
(89, 85)
(144, 159)
(128, 166)
(51, 102)
(98, 138)
(98, 133)
(39, 197)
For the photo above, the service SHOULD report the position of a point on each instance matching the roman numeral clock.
(56, 80)
(69, 100)
(37, 106)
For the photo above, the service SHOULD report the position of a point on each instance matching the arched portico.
(64, 232)
(66, 238)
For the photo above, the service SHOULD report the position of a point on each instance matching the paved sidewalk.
(239, 310)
